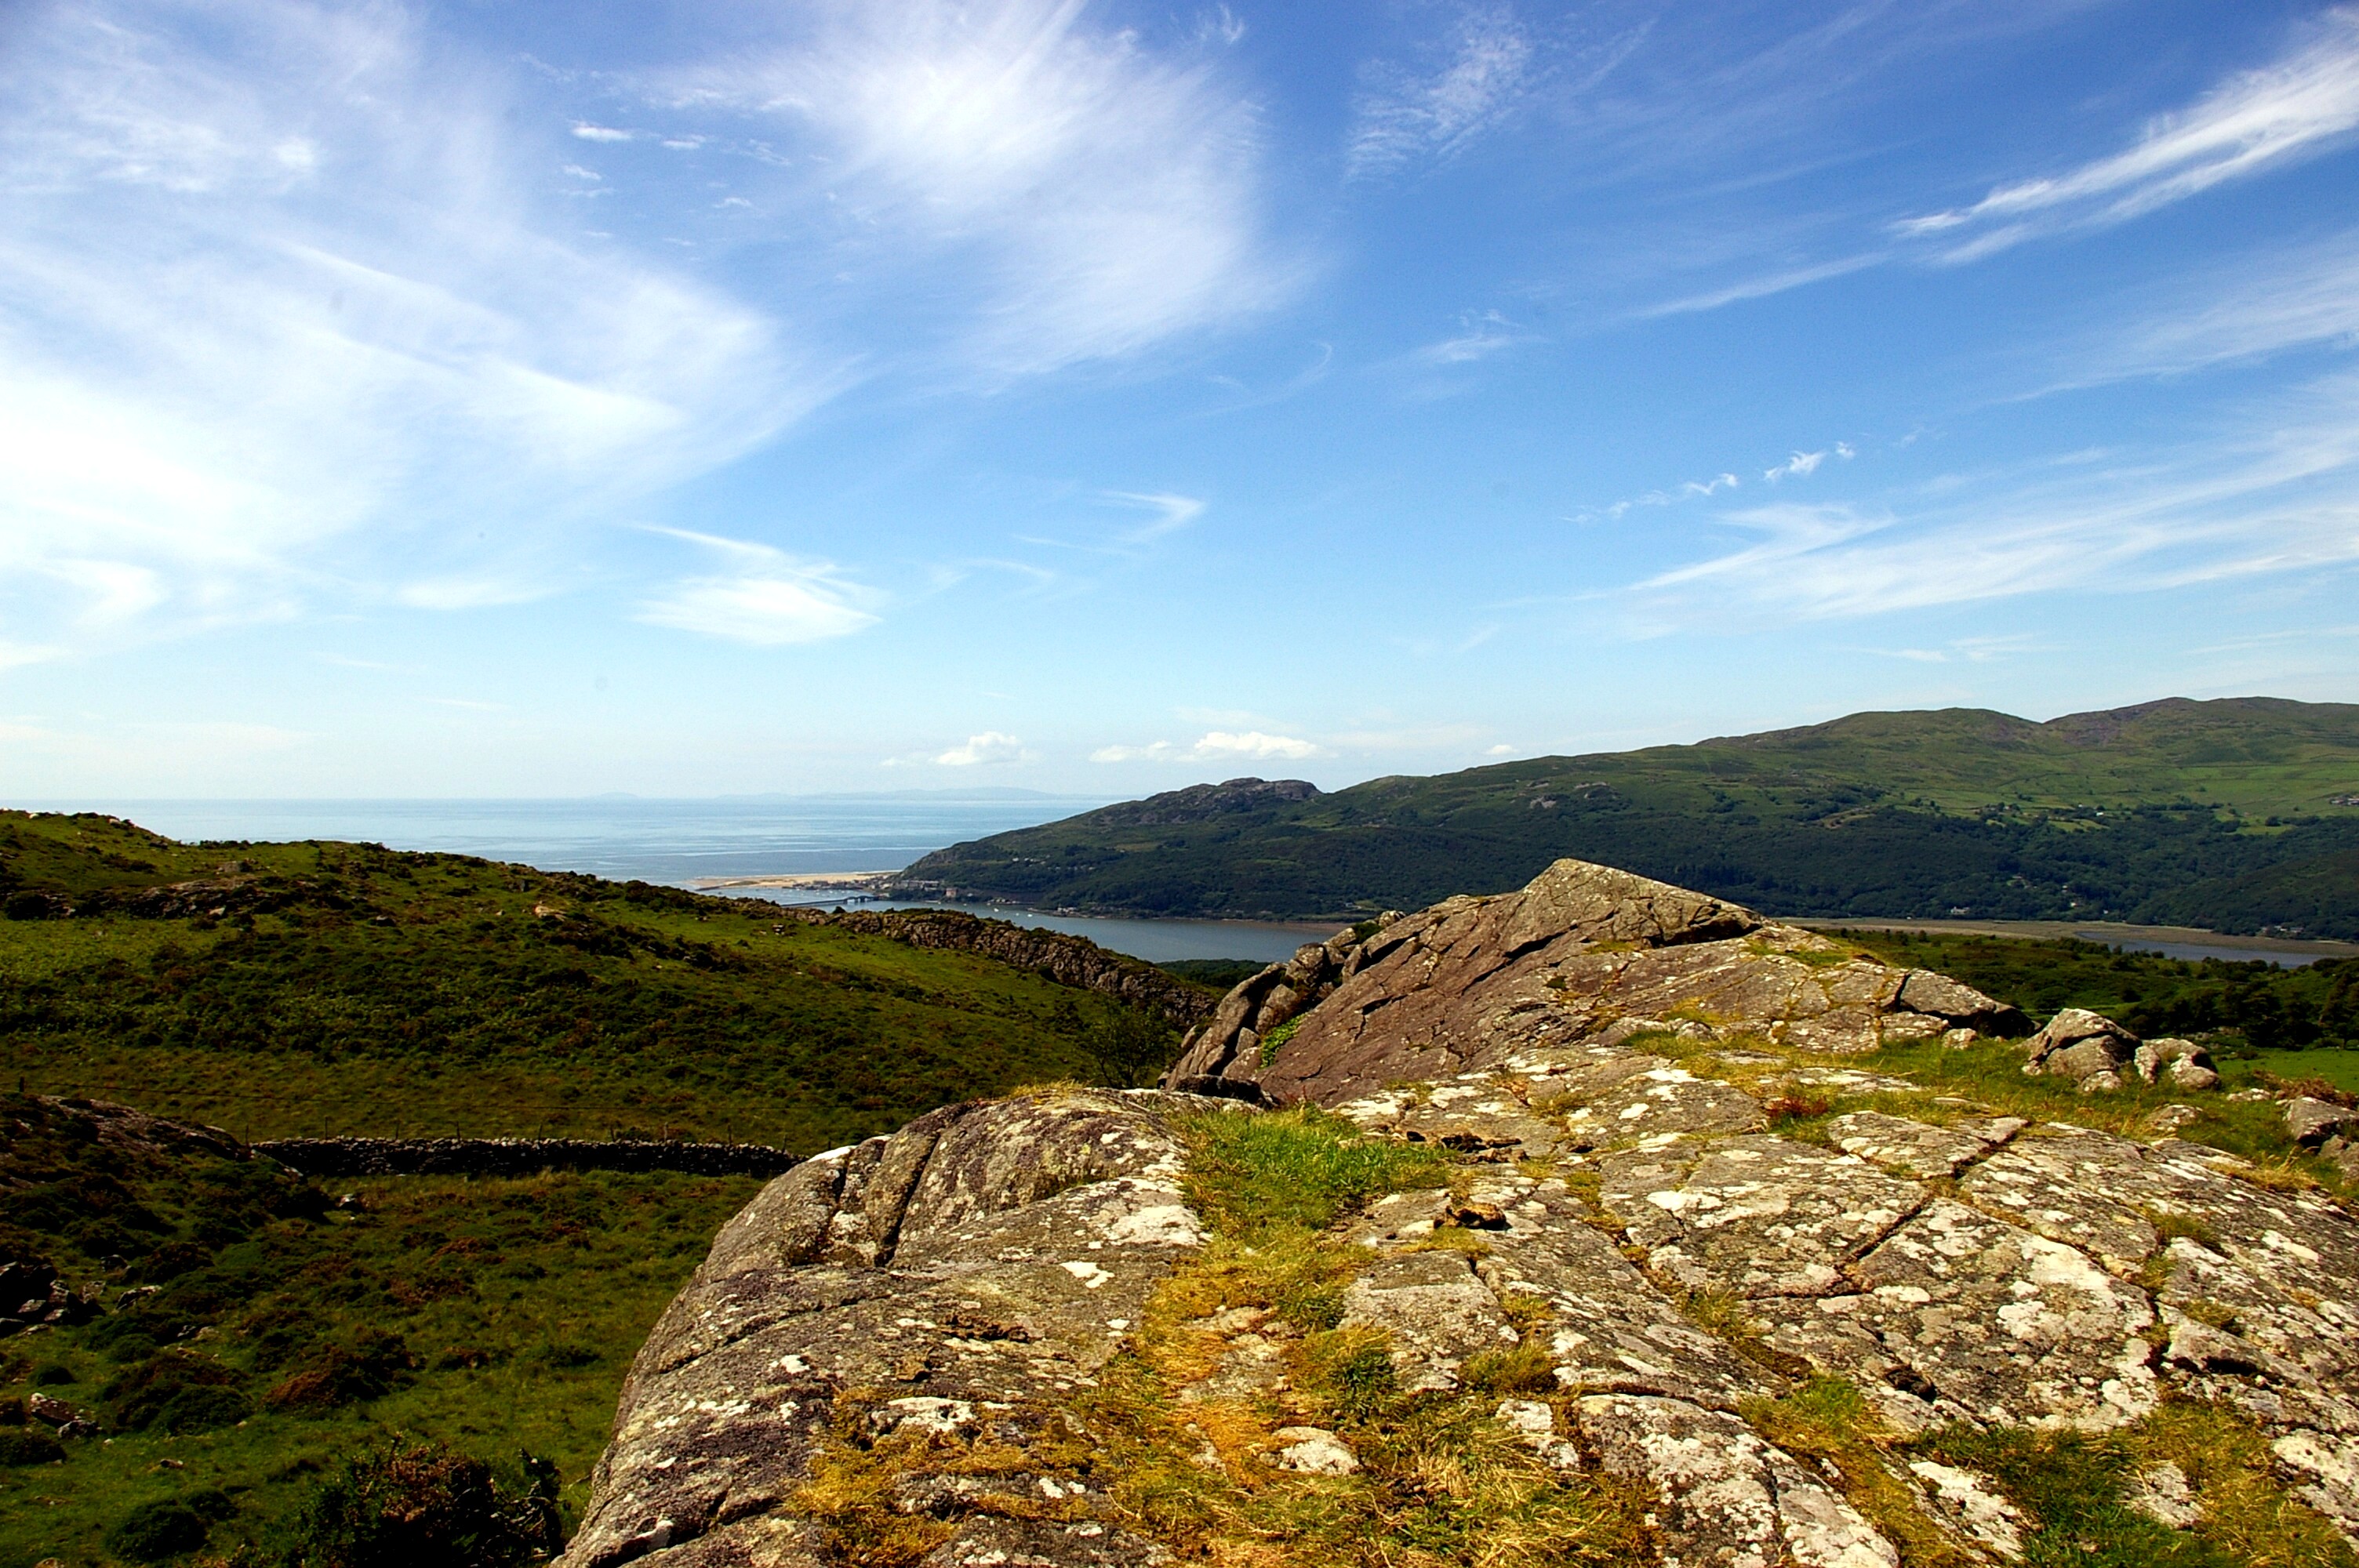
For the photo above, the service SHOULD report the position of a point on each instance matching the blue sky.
(493, 399)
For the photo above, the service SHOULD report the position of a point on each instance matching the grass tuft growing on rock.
(1188, 1456)
(1829, 1420)
(1297, 1169)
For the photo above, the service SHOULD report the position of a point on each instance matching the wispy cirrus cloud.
(1801, 465)
(1171, 512)
(1480, 335)
(288, 310)
(2256, 120)
(2279, 496)
(2303, 104)
(761, 595)
(1076, 194)
(1475, 79)
(1798, 465)
(2270, 300)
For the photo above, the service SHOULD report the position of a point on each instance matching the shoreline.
(846, 880)
(2109, 932)
(2112, 931)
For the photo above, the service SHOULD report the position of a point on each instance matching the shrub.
(53, 1374)
(154, 1531)
(133, 1398)
(201, 1410)
(29, 1448)
(338, 1374)
(136, 1399)
(400, 1506)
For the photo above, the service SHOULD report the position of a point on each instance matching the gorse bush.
(409, 1504)
(154, 1531)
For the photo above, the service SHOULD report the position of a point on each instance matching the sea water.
(685, 842)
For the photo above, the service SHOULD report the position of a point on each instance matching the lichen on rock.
(1607, 1200)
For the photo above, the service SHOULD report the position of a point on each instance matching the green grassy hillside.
(264, 1335)
(283, 989)
(2241, 814)
(292, 989)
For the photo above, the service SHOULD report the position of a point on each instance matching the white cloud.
(1764, 286)
(588, 132)
(2268, 301)
(1405, 117)
(1172, 513)
(2254, 123)
(1801, 465)
(989, 748)
(1479, 337)
(1796, 465)
(2256, 120)
(281, 319)
(1218, 745)
(765, 597)
(2279, 496)
(1254, 743)
(1079, 196)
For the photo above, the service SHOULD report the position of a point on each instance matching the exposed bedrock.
(1634, 1217)
(1581, 950)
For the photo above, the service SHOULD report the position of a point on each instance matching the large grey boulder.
(2097, 1053)
(959, 1278)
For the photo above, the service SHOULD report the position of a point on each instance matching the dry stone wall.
(518, 1156)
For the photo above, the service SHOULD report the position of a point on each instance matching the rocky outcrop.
(1068, 960)
(2098, 1054)
(1670, 1207)
(1581, 953)
(517, 1156)
(962, 1277)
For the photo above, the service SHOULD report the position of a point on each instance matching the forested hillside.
(2238, 815)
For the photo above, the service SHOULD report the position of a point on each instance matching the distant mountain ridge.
(2238, 814)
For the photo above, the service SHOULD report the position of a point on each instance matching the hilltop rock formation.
(1674, 1200)
(1583, 952)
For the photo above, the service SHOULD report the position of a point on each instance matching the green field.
(2233, 816)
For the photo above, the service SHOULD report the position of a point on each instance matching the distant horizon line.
(989, 793)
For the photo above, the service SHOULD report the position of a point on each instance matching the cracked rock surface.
(1581, 949)
(1631, 1219)
(968, 1273)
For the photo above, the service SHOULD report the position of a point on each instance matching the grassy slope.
(342, 988)
(351, 989)
(1876, 813)
(498, 1316)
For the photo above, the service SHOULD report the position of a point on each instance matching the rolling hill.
(2241, 814)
